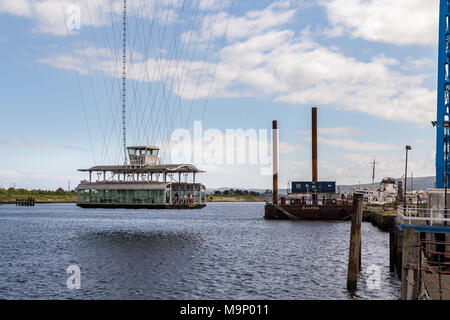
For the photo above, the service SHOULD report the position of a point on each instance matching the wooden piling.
(315, 173)
(360, 254)
(392, 251)
(410, 264)
(355, 243)
(275, 161)
(29, 202)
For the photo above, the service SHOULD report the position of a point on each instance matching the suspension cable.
(124, 78)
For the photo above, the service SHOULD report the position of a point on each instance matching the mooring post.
(392, 251)
(275, 161)
(315, 173)
(355, 243)
(410, 264)
(360, 255)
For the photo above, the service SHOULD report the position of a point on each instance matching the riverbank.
(55, 201)
(236, 199)
(9, 196)
(74, 200)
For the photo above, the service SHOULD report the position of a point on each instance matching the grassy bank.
(10, 195)
(236, 196)
(41, 196)
(236, 199)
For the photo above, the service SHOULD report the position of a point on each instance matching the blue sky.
(369, 66)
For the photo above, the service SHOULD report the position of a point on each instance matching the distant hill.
(423, 183)
(261, 191)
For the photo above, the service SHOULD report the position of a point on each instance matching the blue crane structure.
(443, 99)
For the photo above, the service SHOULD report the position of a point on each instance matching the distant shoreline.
(11, 195)
(40, 201)
(13, 202)
(221, 199)
(236, 199)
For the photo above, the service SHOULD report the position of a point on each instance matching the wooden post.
(360, 255)
(193, 194)
(315, 173)
(275, 161)
(355, 243)
(392, 251)
(410, 264)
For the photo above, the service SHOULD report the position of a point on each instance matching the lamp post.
(406, 176)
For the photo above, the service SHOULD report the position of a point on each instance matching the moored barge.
(312, 200)
(301, 205)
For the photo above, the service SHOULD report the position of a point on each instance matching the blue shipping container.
(314, 187)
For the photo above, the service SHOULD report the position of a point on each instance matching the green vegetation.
(236, 196)
(10, 195)
(49, 196)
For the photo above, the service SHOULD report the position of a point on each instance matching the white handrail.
(429, 216)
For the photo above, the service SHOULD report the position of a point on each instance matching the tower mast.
(374, 163)
(124, 77)
(443, 99)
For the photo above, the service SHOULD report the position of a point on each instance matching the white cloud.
(284, 67)
(355, 167)
(42, 180)
(241, 27)
(417, 64)
(25, 144)
(399, 22)
(354, 145)
(51, 16)
(334, 131)
(286, 148)
(212, 4)
(64, 61)
(359, 167)
(352, 168)
(281, 66)
(16, 7)
(32, 180)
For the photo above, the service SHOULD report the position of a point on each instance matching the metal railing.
(434, 268)
(423, 216)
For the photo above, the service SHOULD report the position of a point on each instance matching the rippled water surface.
(225, 251)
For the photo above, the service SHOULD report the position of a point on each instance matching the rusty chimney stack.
(315, 175)
(275, 160)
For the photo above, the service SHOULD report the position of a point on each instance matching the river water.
(225, 251)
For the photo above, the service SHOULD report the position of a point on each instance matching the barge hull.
(322, 212)
(140, 206)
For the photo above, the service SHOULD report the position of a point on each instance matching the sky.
(369, 66)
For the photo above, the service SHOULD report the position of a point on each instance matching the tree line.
(236, 193)
(35, 193)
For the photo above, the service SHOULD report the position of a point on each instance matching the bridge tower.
(443, 91)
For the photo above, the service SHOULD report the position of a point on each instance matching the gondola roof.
(167, 168)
